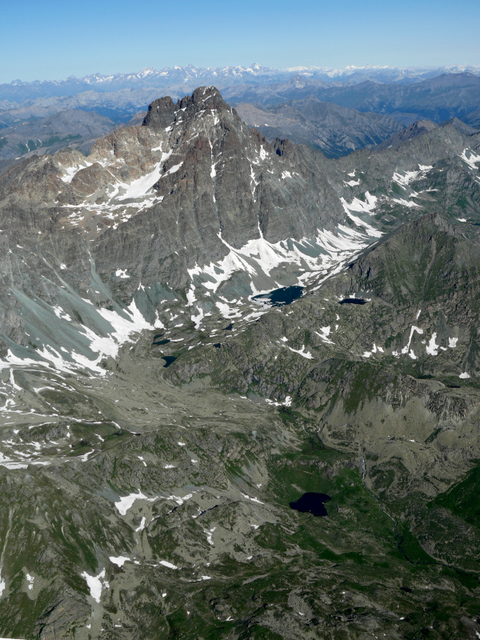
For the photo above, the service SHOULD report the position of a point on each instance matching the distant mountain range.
(440, 98)
(334, 130)
(187, 78)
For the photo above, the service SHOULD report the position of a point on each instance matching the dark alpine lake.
(280, 297)
(353, 301)
(312, 503)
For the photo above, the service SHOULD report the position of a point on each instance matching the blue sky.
(54, 39)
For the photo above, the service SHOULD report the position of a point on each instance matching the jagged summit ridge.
(162, 111)
(196, 150)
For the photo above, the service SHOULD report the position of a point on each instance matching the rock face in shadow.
(418, 128)
(194, 184)
(160, 113)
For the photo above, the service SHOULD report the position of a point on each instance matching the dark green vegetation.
(399, 423)
(353, 573)
(462, 499)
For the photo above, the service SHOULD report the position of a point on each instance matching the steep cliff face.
(221, 186)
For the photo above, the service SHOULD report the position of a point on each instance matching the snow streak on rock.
(259, 259)
(119, 328)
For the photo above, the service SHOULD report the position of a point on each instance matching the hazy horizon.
(288, 69)
(55, 40)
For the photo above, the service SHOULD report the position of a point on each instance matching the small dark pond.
(279, 297)
(168, 360)
(229, 328)
(312, 503)
(160, 342)
(353, 301)
(218, 345)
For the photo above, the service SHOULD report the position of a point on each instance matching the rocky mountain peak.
(162, 112)
(204, 98)
(421, 125)
(417, 128)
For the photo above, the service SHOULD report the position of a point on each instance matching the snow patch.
(126, 502)
(325, 332)
(252, 499)
(360, 206)
(259, 257)
(406, 349)
(7, 462)
(406, 178)
(405, 203)
(140, 187)
(119, 561)
(71, 172)
(302, 352)
(122, 327)
(432, 347)
(141, 526)
(210, 536)
(470, 158)
(96, 584)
